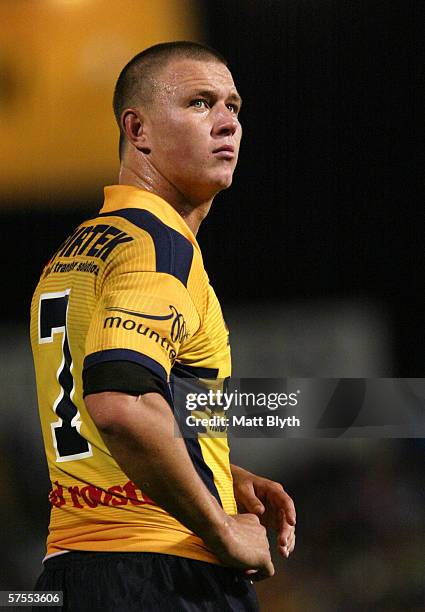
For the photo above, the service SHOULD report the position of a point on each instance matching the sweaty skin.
(177, 136)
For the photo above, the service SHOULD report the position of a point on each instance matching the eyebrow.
(235, 97)
(208, 93)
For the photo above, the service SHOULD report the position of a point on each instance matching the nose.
(225, 123)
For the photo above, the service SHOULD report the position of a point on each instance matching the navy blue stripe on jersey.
(190, 437)
(182, 370)
(174, 252)
(204, 472)
(179, 371)
(125, 355)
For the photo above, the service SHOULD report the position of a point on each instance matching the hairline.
(155, 65)
(158, 71)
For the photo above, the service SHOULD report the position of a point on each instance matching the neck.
(192, 211)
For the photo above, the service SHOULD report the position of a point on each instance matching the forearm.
(140, 434)
(143, 440)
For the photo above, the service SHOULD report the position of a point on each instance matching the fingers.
(284, 519)
(280, 505)
(291, 543)
(290, 514)
(256, 542)
(250, 501)
(266, 569)
(263, 572)
(287, 506)
(287, 546)
(284, 529)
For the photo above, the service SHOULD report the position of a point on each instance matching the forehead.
(182, 75)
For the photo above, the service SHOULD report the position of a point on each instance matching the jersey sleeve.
(142, 316)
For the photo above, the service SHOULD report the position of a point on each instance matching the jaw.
(207, 190)
(221, 173)
(202, 185)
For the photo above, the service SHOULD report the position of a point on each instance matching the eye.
(233, 107)
(199, 103)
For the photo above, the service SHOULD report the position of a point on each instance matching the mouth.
(225, 152)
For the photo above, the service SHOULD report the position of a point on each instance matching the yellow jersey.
(128, 286)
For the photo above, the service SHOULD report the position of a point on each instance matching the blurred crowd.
(361, 530)
(360, 506)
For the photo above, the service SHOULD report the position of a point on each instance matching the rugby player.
(141, 518)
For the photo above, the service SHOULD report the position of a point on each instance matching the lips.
(229, 148)
(225, 152)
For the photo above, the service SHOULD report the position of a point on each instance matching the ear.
(134, 127)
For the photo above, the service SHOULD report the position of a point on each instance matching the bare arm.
(140, 433)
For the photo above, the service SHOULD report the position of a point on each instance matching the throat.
(193, 215)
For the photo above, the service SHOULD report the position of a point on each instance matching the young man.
(142, 518)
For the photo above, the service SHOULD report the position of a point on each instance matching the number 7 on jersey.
(52, 319)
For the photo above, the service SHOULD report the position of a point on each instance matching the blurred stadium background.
(316, 252)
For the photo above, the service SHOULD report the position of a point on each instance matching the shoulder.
(166, 249)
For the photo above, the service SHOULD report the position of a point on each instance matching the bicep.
(116, 413)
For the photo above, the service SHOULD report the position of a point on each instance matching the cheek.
(238, 136)
(182, 140)
(191, 147)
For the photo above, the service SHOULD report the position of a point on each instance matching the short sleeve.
(142, 316)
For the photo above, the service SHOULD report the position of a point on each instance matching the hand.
(269, 501)
(243, 544)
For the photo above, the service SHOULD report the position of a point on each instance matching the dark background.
(325, 209)
(325, 201)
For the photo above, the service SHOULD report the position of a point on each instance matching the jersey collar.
(128, 196)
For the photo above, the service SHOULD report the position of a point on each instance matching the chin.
(220, 186)
(225, 181)
(210, 186)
